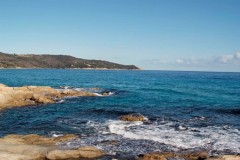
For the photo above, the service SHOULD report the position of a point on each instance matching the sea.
(183, 110)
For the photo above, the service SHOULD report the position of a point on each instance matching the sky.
(195, 35)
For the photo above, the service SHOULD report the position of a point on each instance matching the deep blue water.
(185, 109)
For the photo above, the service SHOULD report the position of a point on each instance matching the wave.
(97, 91)
(182, 137)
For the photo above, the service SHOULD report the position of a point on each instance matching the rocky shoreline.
(35, 147)
(32, 95)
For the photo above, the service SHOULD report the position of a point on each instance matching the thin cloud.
(230, 59)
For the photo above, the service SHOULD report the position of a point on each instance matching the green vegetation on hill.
(55, 61)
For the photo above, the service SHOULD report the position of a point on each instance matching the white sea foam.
(61, 101)
(216, 138)
(98, 94)
(56, 134)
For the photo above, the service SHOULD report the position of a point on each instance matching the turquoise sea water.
(185, 110)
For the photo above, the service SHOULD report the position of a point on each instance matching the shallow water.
(185, 110)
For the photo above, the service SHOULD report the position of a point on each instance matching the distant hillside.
(56, 61)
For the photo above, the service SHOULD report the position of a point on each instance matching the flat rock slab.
(35, 147)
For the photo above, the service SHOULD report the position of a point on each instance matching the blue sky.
(152, 34)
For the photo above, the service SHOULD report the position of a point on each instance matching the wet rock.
(132, 118)
(106, 93)
(109, 142)
(199, 155)
(156, 156)
(71, 92)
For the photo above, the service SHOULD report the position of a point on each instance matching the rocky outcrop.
(83, 152)
(226, 157)
(32, 95)
(34, 139)
(186, 155)
(197, 155)
(156, 156)
(35, 147)
(132, 118)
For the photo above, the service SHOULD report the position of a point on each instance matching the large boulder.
(132, 118)
(82, 152)
(19, 150)
(156, 156)
(35, 147)
(62, 154)
(195, 155)
(13, 156)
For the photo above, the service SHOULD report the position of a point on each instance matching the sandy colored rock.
(36, 139)
(71, 92)
(201, 155)
(156, 156)
(30, 151)
(90, 152)
(132, 118)
(197, 155)
(12, 156)
(39, 98)
(32, 95)
(62, 154)
(226, 157)
(84, 152)
(2, 85)
(230, 157)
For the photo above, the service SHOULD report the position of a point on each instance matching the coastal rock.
(156, 156)
(62, 154)
(20, 150)
(132, 118)
(13, 156)
(34, 139)
(226, 157)
(197, 155)
(38, 98)
(2, 85)
(90, 152)
(74, 93)
(200, 155)
(32, 95)
(84, 152)
(35, 147)
(231, 157)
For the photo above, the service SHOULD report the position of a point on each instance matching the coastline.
(78, 69)
(200, 154)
